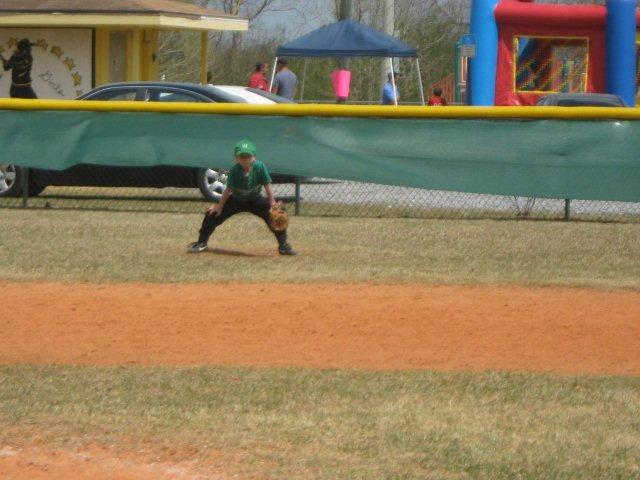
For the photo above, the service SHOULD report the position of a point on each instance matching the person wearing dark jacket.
(20, 65)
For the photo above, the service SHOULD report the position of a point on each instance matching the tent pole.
(420, 81)
(304, 78)
(273, 73)
(393, 82)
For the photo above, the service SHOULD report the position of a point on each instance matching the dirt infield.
(387, 327)
(95, 463)
(316, 325)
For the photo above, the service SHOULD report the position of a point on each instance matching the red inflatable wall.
(520, 19)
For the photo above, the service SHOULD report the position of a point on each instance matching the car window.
(156, 95)
(115, 94)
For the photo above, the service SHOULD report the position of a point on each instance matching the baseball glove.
(278, 218)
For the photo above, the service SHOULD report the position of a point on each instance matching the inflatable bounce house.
(525, 50)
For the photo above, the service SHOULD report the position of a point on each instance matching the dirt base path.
(97, 463)
(468, 328)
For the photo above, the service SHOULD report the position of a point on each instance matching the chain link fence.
(181, 190)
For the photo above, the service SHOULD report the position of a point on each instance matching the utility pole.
(388, 28)
(344, 14)
(345, 9)
(389, 13)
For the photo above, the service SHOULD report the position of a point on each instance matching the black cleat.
(287, 250)
(196, 247)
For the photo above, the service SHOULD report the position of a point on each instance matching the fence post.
(297, 210)
(24, 184)
(567, 209)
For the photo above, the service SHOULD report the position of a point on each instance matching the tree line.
(432, 26)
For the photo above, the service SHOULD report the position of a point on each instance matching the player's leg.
(261, 209)
(211, 222)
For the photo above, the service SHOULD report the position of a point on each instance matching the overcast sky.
(290, 19)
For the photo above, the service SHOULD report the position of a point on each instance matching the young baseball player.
(243, 194)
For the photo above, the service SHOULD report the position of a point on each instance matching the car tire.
(11, 182)
(212, 183)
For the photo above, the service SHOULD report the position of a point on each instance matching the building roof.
(94, 13)
(170, 7)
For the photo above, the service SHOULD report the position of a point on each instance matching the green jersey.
(247, 187)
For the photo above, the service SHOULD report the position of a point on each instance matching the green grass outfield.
(328, 424)
(150, 247)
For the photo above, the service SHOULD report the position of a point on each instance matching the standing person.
(437, 99)
(285, 82)
(20, 65)
(389, 95)
(243, 194)
(259, 77)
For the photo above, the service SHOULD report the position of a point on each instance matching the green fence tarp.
(576, 159)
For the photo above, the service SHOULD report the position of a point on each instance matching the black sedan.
(581, 100)
(210, 181)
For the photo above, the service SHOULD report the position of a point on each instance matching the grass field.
(328, 424)
(301, 424)
(148, 247)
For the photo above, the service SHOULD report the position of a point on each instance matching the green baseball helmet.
(244, 147)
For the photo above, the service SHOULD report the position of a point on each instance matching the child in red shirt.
(258, 78)
(437, 99)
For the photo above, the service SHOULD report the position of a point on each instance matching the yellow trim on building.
(101, 56)
(134, 46)
(121, 21)
(141, 31)
(149, 55)
(204, 53)
(142, 51)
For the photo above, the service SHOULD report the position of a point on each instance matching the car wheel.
(11, 182)
(10, 178)
(211, 182)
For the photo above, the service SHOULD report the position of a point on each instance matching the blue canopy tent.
(348, 38)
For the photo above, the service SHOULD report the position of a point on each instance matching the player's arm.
(216, 208)
(270, 197)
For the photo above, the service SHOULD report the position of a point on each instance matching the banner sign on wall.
(59, 61)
